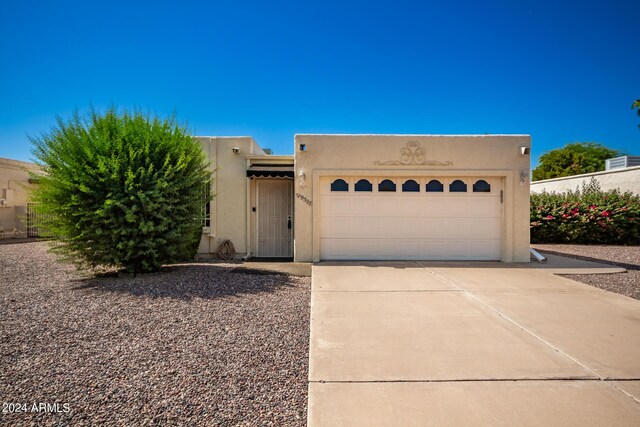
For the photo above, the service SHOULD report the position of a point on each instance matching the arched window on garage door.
(457, 186)
(364, 185)
(481, 186)
(410, 186)
(435, 186)
(386, 185)
(339, 185)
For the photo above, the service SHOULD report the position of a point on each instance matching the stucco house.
(14, 194)
(372, 197)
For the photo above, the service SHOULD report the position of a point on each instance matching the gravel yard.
(198, 344)
(625, 256)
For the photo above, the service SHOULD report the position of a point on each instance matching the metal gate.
(34, 221)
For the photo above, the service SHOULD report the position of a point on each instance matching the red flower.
(592, 207)
(605, 213)
(565, 215)
(548, 217)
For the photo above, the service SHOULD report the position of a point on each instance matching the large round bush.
(122, 189)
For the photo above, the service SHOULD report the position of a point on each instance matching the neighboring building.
(14, 188)
(622, 173)
(372, 197)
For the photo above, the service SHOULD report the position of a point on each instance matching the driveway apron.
(417, 343)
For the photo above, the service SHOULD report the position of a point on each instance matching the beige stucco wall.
(482, 155)
(229, 206)
(627, 179)
(14, 187)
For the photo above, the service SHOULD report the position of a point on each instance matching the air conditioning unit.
(621, 162)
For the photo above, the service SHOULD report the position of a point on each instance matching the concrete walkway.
(416, 343)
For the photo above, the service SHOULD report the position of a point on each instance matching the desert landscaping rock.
(196, 344)
(624, 256)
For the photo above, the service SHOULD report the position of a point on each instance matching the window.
(206, 208)
(410, 186)
(435, 186)
(387, 185)
(457, 186)
(481, 186)
(339, 185)
(364, 185)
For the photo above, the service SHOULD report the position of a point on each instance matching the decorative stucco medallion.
(412, 155)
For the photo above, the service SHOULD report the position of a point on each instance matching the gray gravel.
(625, 256)
(197, 344)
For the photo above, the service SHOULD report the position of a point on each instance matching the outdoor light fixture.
(524, 178)
(525, 150)
(301, 177)
(235, 150)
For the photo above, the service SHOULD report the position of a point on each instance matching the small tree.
(573, 159)
(122, 189)
(636, 106)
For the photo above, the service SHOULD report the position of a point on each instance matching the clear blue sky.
(561, 71)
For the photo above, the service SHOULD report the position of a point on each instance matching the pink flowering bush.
(589, 215)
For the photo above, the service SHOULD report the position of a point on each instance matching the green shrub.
(586, 216)
(122, 189)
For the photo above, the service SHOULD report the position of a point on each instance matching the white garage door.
(421, 218)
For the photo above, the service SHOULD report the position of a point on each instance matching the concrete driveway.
(413, 343)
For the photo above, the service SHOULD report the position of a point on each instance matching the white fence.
(627, 179)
